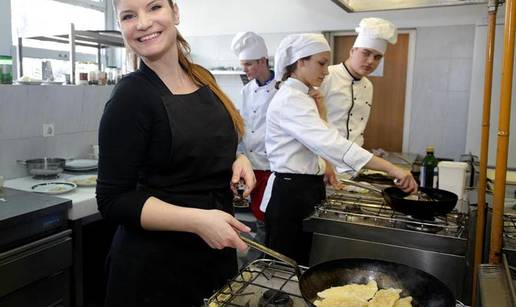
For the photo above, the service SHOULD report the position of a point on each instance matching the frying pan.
(425, 289)
(438, 202)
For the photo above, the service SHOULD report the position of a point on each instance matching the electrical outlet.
(48, 130)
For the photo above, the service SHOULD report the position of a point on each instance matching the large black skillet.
(435, 202)
(425, 289)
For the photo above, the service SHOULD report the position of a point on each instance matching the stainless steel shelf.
(86, 38)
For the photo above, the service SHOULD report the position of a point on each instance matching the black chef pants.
(293, 199)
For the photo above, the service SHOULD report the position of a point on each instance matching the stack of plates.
(81, 165)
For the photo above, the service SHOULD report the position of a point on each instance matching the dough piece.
(385, 298)
(404, 302)
(360, 292)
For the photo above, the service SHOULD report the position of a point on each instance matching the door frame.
(411, 56)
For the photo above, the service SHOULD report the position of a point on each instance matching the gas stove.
(362, 225)
(369, 209)
(262, 283)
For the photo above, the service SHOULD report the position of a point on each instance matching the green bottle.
(428, 176)
(6, 69)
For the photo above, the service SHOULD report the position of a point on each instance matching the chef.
(348, 93)
(297, 136)
(256, 96)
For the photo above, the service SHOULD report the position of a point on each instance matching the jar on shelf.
(93, 77)
(6, 69)
(102, 75)
(83, 78)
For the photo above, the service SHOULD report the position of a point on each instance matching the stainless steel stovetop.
(370, 209)
(257, 278)
(361, 225)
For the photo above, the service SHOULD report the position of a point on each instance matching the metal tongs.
(273, 253)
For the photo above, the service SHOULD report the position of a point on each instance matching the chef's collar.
(266, 81)
(297, 84)
(349, 72)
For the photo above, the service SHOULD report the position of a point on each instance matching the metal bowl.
(44, 166)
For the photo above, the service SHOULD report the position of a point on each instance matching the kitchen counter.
(90, 245)
(83, 199)
(16, 203)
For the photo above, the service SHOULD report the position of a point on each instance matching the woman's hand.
(404, 180)
(319, 102)
(219, 229)
(242, 169)
(330, 178)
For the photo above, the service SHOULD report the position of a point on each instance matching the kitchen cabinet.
(91, 240)
(87, 38)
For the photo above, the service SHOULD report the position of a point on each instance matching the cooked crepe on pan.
(359, 295)
(385, 298)
(404, 302)
(360, 292)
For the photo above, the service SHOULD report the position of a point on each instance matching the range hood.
(353, 6)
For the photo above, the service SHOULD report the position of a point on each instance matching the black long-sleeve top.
(134, 134)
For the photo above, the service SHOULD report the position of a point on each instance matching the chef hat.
(374, 33)
(295, 47)
(249, 46)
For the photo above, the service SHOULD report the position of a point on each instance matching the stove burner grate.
(275, 298)
(352, 208)
(263, 282)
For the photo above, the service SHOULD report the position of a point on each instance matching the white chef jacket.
(255, 102)
(296, 136)
(348, 102)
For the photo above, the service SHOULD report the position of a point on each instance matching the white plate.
(55, 187)
(81, 164)
(84, 180)
(27, 82)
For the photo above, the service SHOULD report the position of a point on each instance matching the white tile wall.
(231, 85)
(75, 112)
(442, 81)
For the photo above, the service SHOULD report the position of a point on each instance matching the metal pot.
(425, 289)
(44, 166)
(436, 202)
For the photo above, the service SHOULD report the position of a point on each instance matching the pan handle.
(369, 187)
(272, 253)
(22, 162)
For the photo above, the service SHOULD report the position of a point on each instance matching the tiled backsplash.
(74, 111)
(231, 85)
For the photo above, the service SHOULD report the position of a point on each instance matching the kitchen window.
(52, 17)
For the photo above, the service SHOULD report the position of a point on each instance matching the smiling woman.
(167, 142)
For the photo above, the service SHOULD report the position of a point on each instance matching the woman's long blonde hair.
(203, 77)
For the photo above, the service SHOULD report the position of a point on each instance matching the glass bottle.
(428, 176)
(6, 69)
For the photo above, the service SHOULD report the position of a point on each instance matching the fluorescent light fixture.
(352, 6)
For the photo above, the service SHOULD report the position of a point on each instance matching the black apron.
(151, 268)
(293, 199)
